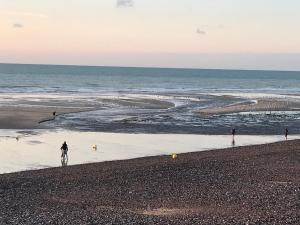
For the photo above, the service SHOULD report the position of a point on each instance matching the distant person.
(64, 150)
(286, 133)
(54, 114)
(233, 132)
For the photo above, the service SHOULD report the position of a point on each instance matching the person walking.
(233, 132)
(64, 154)
(286, 133)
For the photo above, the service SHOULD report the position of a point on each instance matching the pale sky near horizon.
(246, 34)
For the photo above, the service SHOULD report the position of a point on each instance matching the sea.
(153, 100)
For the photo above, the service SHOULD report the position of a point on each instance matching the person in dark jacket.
(64, 149)
(233, 131)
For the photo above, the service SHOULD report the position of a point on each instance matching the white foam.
(92, 98)
(257, 95)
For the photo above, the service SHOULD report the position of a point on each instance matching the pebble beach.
(244, 185)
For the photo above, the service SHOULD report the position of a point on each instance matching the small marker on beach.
(174, 156)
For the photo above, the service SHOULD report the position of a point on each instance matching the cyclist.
(64, 150)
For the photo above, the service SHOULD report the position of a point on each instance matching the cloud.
(18, 25)
(201, 32)
(17, 14)
(125, 3)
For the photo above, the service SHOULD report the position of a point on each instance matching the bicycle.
(64, 157)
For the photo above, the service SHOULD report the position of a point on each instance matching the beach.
(243, 185)
(123, 124)
(128, 112)
(36, 149)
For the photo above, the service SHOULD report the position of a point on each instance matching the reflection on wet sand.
(64, 160)
(233, 142)
(43, 148)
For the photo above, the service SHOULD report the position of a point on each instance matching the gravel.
(243, 185)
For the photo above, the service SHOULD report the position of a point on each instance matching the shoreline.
(150, 156)
(251, 184)
(27, 150)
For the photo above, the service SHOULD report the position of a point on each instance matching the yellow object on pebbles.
(174, 156)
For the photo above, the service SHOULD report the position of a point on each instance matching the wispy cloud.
(24, 14)
(201, 32)
(18, 25)
(125, 3)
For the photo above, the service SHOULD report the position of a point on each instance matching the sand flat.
(263, 105)
(28, 111)
(20, 117)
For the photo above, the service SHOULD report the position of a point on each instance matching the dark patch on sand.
(35, 142)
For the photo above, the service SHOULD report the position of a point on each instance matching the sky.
(234, 34)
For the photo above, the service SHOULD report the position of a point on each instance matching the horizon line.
(144, 67)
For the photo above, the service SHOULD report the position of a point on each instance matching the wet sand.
(28, 114)
(18, 117)
(262, 105)
(243, 185)
(37, 149)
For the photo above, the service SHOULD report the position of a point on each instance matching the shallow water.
(41, 149)
(132, 100)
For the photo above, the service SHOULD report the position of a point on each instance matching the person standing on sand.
(233, 132)
(54, 114)
(286, 133)
(64, 149)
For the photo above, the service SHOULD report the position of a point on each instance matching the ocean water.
(81, 79)
(133, 100)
